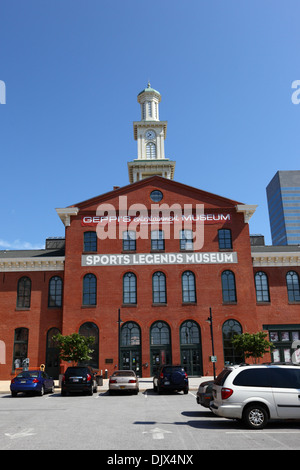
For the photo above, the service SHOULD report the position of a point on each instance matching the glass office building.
(283, 194)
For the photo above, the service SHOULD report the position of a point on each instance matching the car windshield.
(29, 374)
(123, 373)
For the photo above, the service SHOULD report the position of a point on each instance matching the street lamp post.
(119, 337)
(209, 320)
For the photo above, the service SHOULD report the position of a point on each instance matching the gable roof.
(160, 183)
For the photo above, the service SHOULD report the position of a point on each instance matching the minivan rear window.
(222, 376)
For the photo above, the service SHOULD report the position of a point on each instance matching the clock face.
(150, 135)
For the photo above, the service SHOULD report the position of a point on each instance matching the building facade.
(141, 268)
(283, 194)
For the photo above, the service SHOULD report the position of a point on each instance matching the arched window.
(55, 292)
(150, 151)
(188, 287)
(129, 288)
(160, 334)
(20, 346)
(90, 241)
(24, 292)
(189, 333)
(159, 292)
(229, 330)
(262, 287)
(90, 329)
(130, 334)
(228, 286)
(89, 294)
(224, 238)
(292, 282)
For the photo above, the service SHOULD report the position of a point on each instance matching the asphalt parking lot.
(133, 423)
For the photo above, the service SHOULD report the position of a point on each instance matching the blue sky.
(73, 69)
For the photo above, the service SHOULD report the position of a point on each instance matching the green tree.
(253, 345)
(74, 347)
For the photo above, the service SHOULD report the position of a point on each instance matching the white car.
(257, 393)
(124, 380)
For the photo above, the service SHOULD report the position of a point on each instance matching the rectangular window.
(129, 241)
(225, 240)
(90, 241)
(186, 240)
(157, 240)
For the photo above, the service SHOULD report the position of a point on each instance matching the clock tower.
(150, 134)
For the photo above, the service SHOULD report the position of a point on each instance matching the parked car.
(171, 377)
(79, 379)
(204, 394)
(124, 381)
(257, 393)
(32, 381)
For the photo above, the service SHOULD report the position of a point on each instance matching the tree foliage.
(253, 345)
(74, 347)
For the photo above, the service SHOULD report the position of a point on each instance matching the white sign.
(158, 258)
(90, 220)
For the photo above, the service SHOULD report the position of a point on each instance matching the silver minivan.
(257, 393)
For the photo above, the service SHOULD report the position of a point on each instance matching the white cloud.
(19, 245)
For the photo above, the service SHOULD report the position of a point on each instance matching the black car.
(79, 379)
(204, 394)
(171, 378)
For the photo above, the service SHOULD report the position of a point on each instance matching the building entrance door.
(52, 354)
(159, 357)
(191, 361)
(190, 348)
(131, 360)
(160, 346)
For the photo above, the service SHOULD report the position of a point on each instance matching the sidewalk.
(145, 383)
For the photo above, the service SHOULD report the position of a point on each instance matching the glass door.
(131, 360)
(159, 357)
(191, 361)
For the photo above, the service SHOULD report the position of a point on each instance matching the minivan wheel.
(255, 416)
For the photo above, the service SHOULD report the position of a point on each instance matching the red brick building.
(159, 256)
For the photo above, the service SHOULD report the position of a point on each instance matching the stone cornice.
(49, 263)
(277, 259)
(66, 213)
(149, 125)
(247, 209)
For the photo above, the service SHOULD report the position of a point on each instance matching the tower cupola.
(150, 134)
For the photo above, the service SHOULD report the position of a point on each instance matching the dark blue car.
(172, 378)
(32, 381)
